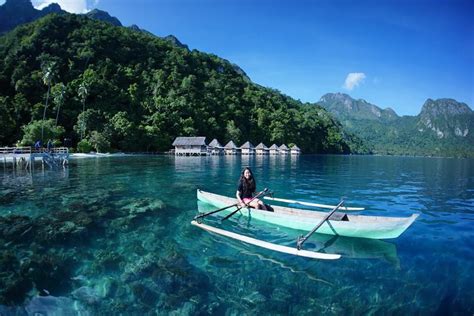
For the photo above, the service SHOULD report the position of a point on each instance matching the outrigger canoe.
(350, 225)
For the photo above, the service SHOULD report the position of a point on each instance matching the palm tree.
(48, 70)
(59, 99)
(83, 92)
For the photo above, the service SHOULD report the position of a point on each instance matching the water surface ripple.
(113, 236)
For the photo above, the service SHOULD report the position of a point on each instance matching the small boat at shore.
(341, 224)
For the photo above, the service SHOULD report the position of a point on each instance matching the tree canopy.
(123, 89)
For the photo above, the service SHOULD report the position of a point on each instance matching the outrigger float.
(331, 223)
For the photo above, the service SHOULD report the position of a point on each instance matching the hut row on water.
(196, 146)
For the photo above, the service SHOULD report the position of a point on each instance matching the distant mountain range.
(443, 127)
(343, 106)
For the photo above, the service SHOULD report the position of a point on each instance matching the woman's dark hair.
(248, 185)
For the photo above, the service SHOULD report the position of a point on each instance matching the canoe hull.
(361, 226)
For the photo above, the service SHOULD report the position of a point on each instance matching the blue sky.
(390, 53)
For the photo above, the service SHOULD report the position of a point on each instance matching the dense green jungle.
(111, 88)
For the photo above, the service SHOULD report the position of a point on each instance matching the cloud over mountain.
(353, 79)
(72, 6)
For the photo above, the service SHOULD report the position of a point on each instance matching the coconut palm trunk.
(44, 111)
(48, 70)
(83, 93)
(59, 100)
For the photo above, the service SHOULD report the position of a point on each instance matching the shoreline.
(96, 155)
(101, 155)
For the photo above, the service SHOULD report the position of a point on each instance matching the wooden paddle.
(246, 204)
(302, 239)
(212, 212)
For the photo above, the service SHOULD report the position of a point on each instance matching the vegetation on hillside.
(113, 88)
(444, 127)
(402, 137)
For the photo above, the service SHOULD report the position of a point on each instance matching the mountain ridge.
(16, 12)
(103, 16)
(446, 117)
(443, 126)
(343, 105)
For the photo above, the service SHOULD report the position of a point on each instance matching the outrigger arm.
(302, 239)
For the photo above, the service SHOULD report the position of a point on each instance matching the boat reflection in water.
(357, 248)
(349, 247)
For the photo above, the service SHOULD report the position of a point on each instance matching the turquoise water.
(113, 236)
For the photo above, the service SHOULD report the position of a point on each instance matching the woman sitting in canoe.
(246, 190)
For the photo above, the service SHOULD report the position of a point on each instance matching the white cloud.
(353, 80)
(72, 6)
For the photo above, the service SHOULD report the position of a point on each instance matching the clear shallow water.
(112, 235)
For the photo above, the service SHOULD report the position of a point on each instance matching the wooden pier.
(25, 157)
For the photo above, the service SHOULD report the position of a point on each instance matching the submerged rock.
(86, 295)
(188, 308)
(13, 288)
(281, 295)
(107, 287)
(180, 280)
(145, 295)
(16, 228)
(140, 268)
(79, 218)
(107, 260)
(254, 298)
(13, 285)
(143, 206)
(48, 272)
(12, 310)
(54, 306)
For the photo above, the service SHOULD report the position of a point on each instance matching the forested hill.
(116, 88)
(17, 12)
(444, 127)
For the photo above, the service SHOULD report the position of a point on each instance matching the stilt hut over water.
(247, 149)
(284, 150)
(295, 150)
(230, 148)
(190, 146)
(261, 149)
(215, 148)
(274, 150)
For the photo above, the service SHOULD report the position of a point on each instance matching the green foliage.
(32, 132)
(58, 92)
(84, 146)
(132, 91)
(405, 137)
(443, 128)
(48, 68)
(99, 142)
(233, 132)
(7, 122)
(89, 120)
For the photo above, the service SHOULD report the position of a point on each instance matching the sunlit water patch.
(113, 236)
